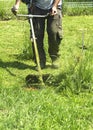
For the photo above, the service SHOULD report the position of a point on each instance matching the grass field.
(67, 102)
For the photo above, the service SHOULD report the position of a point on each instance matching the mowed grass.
(37, 110)
(22, 108)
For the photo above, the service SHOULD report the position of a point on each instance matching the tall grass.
(5, 9)
(6, 14)
(78, 77)
(77, 11)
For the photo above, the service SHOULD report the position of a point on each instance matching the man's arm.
(16, 7)
(54, 8)
(56, 3)
(17, 3)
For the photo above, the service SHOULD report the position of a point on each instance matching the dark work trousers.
(54, 31)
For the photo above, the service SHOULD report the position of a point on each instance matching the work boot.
(55, 64)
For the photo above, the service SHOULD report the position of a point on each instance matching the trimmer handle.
(32, 16)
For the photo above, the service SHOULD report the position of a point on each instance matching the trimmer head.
(34, 81)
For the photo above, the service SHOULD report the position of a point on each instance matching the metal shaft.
(36, 52)
(33, 16)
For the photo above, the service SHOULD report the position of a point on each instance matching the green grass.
(37, 110)
(5, 9)
(22, 108)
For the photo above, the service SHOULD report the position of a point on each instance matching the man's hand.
(54, 11)
(14, 9)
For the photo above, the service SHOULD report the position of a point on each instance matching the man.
(54, 27)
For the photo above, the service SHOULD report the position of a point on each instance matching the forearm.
(56, 3)
(17, 3)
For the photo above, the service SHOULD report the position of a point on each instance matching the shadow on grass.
(15, 64)
(23, 56)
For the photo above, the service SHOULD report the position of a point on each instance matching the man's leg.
(54, 29)
(39, 26)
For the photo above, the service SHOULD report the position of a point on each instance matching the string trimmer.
(30, 16)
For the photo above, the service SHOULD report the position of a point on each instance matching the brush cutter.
(30, 16)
